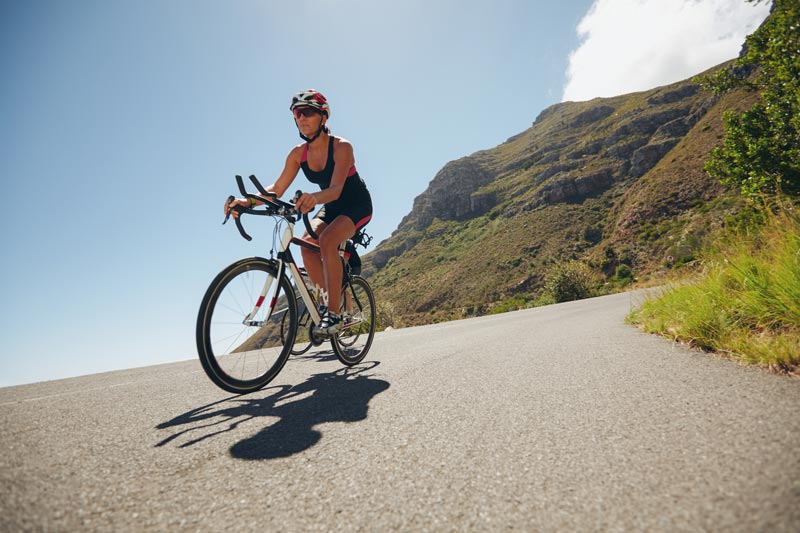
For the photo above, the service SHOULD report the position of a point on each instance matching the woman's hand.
(243, 202)
(306, 203)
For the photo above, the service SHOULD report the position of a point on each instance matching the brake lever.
(228, 208)
(297, 196)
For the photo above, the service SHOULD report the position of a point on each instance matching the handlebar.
(274, 207)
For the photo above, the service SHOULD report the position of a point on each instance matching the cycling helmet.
(311, 98)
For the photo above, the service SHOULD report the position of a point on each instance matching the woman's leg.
(311, 259)
(341, 229)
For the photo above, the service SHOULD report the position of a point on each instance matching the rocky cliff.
(574, 185)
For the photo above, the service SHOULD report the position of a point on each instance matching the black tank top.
(354, 186)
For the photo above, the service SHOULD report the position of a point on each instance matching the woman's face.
(309, 120)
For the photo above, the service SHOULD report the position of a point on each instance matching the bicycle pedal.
(318, 336)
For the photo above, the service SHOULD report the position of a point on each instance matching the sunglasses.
(305, 112)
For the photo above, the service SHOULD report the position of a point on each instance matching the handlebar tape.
(309, 229)
(240, 183)
(239, 226)
(260, 188)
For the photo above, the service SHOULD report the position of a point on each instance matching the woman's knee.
(328, 242)
(334, 234)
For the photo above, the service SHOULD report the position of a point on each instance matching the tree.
(761, 150)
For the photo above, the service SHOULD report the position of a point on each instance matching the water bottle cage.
(361, 238)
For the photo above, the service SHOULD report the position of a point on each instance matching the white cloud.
(633, 45)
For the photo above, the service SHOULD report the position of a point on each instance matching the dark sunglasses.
(305, 112)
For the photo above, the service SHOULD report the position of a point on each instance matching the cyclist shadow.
(340, 396)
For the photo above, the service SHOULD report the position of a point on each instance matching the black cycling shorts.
(359, 212)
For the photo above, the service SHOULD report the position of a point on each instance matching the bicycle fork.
(248, 320)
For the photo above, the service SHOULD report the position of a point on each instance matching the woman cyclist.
(327, 161)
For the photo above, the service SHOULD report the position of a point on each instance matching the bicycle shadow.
(316, 355)
(340, 396)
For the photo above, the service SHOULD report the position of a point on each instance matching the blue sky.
(122, 124)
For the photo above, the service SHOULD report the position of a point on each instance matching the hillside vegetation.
(615, 183)
(746, 302)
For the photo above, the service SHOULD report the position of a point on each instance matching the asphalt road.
(559, 418)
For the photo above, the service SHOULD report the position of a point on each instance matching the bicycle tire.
(237, 354)
(352, 343)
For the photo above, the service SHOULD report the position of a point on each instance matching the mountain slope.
(611, 181)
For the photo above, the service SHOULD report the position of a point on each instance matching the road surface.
(560, 418)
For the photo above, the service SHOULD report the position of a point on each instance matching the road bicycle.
(257, 311)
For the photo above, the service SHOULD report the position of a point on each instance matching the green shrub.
(593, 234)
(569, 281)
(623, 274)
(760, 153)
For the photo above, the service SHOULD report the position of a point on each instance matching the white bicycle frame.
(297, 277)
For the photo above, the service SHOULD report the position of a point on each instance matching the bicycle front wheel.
(353, 341)
(241, 346)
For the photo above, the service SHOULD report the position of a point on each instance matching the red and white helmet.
(311, 98)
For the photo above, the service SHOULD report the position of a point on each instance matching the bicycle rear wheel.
(353, 341)
(240, 348)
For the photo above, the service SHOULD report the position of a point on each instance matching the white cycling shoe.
(330, 324)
